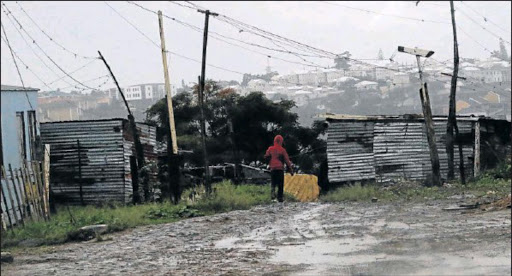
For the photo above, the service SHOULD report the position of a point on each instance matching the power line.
(13, 59)
(16, 64)
(47, 85)
(49, 37)
(72, 72)
(174, 53)
(272, 37)
(30, 47)
(483, 27)
(385, 14)
(138, 30)
(215, 36)
(485, 48)
(34, 41)
(486, 19)
(26, 66)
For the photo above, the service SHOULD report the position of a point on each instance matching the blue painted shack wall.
(12, 102)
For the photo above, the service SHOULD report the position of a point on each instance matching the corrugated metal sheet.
(386, 149)
(105, 150)
(350, 151)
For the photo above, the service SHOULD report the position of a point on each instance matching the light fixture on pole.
(427, 112)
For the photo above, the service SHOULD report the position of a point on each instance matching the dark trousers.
(277, 177)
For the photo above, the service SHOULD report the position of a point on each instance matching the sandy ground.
(296, 239)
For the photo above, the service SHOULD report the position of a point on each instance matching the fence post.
(30, 209)
(10, 197)
(23, 184)
(4, 199)
(46, 172)
(32, 177)
(33, 194)
(40, 184)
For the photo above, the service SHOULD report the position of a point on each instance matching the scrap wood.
(498, 204)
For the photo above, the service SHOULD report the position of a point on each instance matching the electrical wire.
(12, 54)
(30, 47)
(483, 27)
(50, 38)
(34, 41)
(385, 14)
(486, 19)
(26, 66)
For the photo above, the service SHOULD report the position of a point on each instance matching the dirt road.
(296, 239)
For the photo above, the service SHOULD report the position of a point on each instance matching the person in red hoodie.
(278, 156)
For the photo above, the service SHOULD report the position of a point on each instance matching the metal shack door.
(350, 154)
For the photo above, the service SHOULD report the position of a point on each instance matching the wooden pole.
(451, 113)
(29, 208)
(173, 166)
(5, 199)
(13, 206)
(42, 193)
(431, 135)
(34, 191)
(476, 158)
(46, 172)
(2, 200)
(167, 87)
(201, 93)
(203, 137)
(26, 201)
(139, 151)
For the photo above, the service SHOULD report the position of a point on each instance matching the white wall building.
(366, 85)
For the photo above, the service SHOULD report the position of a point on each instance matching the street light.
(427, 112)
(418, 53)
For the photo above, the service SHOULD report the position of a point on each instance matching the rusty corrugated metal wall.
(105, 150)
(390, 149)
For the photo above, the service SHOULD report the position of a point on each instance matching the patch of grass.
(226, 197)
(493, 183)
(117, 218)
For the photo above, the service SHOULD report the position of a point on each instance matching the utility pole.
(173, 160)
(452, 119)
(139, 151)
(427, 113)
(201, 91)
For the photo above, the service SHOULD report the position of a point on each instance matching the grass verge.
(226, 197)
(493, 184)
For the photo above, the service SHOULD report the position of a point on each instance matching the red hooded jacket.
(278, 155)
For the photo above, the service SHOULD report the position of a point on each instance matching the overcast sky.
(86, 27)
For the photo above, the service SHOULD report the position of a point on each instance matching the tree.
(254, 119)
(502, 53)
(341, 61)
(381, 55)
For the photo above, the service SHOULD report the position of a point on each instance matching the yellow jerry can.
(303, 187)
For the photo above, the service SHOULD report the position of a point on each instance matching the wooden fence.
(24, 194)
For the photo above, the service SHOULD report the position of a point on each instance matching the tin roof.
(404, 117)
(17, 88)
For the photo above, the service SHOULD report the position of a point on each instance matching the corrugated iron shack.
(92, 160)
(387, 148)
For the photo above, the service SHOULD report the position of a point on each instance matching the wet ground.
(296, 239)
